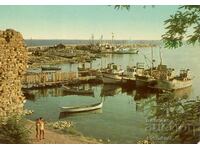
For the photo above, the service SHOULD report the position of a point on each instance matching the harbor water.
(125, 115)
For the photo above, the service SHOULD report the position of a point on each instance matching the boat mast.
(112, 38)
(31, 42)
(92, 37)
(101, 39)
(152, 65)
(160, 55)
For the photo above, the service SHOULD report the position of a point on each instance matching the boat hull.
(130, 82)
(82, 109)
(144, 81)
(172, 85)
(112, 79)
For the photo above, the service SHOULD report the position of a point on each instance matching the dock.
(54, 79)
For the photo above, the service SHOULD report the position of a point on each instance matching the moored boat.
(178, 82)
(78, 91)
(112, 78)
(82, 108)
(112, 74)
(129, 76)
(126, 51)
(144, 80)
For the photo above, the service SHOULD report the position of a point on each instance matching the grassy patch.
(14, 131)
(72, 131)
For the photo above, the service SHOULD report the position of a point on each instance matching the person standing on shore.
(41, 128)
(37, 126)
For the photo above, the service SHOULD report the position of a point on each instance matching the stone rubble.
(61, 124)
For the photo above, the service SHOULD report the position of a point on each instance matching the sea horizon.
(48, 42)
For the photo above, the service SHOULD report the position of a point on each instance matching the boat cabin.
(185, 74)
(113, 68)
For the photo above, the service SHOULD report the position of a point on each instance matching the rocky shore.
(59, 54)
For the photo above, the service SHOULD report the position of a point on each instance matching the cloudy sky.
(79, 22)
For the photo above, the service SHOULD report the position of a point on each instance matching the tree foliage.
(14, 131)
(127, 7)
(183, 25)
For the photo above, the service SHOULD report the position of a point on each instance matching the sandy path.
(53, 137)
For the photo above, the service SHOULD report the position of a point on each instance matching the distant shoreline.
(51, 42)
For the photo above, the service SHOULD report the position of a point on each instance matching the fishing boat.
(78, 91)
(82, 108)
(183, 80)
(44, 68)
(129, 75)
(112, 74)
(143, 78)
(149, 76)
(126, 51)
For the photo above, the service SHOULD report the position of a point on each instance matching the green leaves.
(184, 25)
(127, 7)
(14, 132)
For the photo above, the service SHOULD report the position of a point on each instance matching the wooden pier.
(51, 79)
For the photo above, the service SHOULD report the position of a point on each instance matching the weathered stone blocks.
(13, 64)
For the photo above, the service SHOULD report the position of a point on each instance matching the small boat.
(78, 91)
(126, 51)
(51, 68)
(129, 76)
(182, 81)
(111, 74)
(82, 108)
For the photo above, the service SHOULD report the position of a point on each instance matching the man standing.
(37, 126)
(41, 128)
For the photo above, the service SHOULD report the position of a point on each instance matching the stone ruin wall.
(13, 64)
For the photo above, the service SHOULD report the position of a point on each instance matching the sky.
(80, 22)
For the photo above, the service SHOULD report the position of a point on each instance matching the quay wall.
(53, 79)
(13, 64)
(47, 78)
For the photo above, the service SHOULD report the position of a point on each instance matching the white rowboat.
(82, 108)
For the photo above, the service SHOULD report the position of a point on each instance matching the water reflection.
(63, 115)
(29, 95)
(143, 93)
(81, 90)
(110, 90)
(137, 94)
(183, 93)
(55, 92)
(45, 92)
